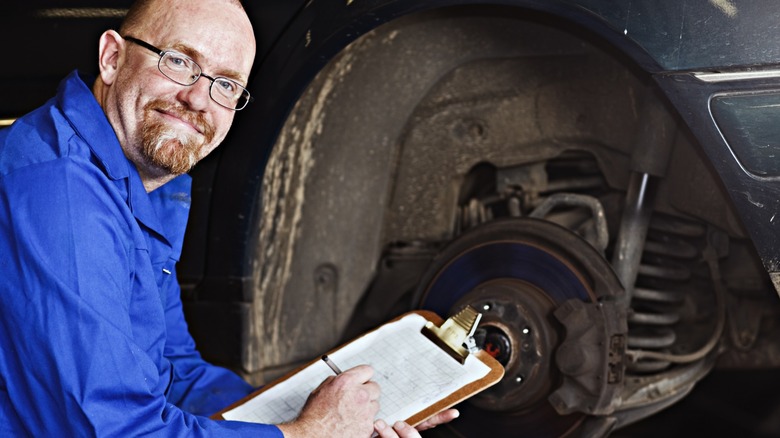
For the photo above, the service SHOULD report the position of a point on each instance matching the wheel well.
(352, 171)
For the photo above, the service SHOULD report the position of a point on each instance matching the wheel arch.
(219, 267)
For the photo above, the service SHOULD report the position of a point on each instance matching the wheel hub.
(514, 329)
(516, 272)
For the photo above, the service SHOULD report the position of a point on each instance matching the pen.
(330, 363)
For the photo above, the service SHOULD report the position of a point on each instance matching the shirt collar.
(88, 119)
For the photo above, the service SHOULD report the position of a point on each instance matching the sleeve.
(71, 357)
(198, 387)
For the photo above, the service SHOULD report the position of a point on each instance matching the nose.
(196, 96)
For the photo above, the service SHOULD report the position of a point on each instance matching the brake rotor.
(516, 272)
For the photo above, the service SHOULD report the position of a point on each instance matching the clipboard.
(472, 372)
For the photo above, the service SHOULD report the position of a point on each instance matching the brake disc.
(517, 272)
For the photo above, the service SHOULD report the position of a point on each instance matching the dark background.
(743, 404)
(40, 50)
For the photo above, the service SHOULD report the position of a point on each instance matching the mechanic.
(94, 199)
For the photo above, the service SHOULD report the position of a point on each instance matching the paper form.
(412, 372)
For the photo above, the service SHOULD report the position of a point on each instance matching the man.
(93, 205)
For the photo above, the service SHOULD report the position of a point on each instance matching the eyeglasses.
(183, 70)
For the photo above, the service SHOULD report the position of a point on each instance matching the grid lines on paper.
(412, 371)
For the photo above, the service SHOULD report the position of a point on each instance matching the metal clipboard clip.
(456, 334)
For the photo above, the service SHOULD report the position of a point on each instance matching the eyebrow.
(194, 54)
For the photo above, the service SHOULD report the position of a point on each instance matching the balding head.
(165, 127)
(141, 8)
(140, 15)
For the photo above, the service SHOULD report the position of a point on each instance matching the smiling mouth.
(186, 123)
(180, 120)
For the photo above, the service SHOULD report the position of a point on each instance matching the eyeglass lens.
(183, 70)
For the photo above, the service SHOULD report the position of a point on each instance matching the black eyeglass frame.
(162, 53)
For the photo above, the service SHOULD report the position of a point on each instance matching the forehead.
(215, 33)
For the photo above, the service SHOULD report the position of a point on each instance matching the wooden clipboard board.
(494, 375)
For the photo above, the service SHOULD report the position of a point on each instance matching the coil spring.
(658, 296)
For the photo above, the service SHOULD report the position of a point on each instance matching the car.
(599, 179)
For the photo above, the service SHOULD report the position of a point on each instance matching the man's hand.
(342, 406)
(403, 430)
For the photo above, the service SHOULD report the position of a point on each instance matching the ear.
(109, 55)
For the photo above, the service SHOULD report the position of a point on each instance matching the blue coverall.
(93, 341)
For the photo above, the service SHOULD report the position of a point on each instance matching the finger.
(367, 393)
(405, 431)
(323, 384)
(383, 430)
(374, 408)
(374, 390)
(327, 380)
(359, 374)
(440, 418)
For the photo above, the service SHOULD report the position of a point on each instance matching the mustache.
(194, 118)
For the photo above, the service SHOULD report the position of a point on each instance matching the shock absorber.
(654, 140)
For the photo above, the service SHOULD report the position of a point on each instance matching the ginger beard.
(169, 149)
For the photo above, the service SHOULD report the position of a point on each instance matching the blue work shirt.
(93, 341)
